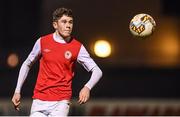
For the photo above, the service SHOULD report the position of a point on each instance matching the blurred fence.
(105, 107)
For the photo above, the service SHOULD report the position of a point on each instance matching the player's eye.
(63, 21)
(71, 21)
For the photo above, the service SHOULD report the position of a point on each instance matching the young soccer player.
(58, 53)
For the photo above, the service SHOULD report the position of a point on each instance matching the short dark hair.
(59, 12)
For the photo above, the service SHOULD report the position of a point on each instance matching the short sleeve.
(85, 60)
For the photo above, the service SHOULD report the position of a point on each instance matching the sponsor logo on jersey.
(46, 50)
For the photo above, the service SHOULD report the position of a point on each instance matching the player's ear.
(54, 25)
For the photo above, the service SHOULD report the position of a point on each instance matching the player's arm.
(88, 63)
(24, 70)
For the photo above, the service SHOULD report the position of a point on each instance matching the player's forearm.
(33, 56)
(95, 77)
(22, 75)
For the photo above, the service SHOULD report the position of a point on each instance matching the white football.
(142, 25)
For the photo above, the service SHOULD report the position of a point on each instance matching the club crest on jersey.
(68, 54)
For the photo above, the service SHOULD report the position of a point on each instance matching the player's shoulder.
(47, 36)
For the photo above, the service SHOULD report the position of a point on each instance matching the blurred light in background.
(166, 47)
(102, 48)
(170, 41)
(12, 60)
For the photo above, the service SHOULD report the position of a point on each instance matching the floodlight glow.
(13, 60)
(102, 48)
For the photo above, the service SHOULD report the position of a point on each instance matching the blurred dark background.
(136, 68)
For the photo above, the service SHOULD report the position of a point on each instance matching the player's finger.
(16, 103)
(85, 100)
(17, 108)
(80, 100)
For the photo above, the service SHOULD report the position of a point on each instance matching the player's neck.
(67, 39)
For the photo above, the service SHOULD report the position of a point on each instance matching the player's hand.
(84, 95)
(16, 100)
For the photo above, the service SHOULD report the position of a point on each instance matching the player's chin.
(66, 35)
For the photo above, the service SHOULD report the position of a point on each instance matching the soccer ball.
(142, 25)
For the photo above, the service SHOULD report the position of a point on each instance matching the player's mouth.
(67, 31)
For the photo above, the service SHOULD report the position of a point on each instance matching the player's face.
(64, 26)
